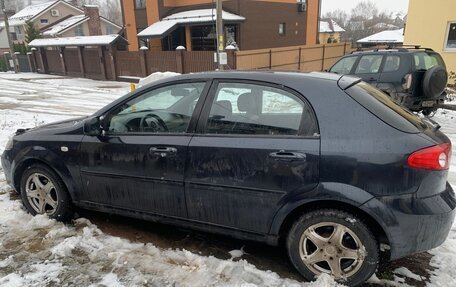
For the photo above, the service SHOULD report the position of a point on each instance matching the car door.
(369, 68)
(257, 147)
(138, 162)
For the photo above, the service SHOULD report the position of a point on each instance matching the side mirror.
(326, 70)
(92, 127)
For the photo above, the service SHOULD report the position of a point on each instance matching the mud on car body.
(326, 164)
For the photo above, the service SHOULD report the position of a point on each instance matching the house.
(163, 25)
(60, 18)
(4, 47)
(433, 28)
(330, 31)
(388, 37)
(88, 24)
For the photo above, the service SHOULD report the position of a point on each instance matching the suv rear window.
(379, 104)
(425, 61)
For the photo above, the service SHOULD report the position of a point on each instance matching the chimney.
(91, 11)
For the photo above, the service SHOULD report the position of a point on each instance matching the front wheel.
(43, 192)
(333, 242)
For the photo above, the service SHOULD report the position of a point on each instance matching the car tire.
(43, 192)
(355, 252)
(435, 81)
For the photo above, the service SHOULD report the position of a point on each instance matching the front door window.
(163, 110)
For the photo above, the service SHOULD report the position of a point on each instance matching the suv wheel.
(43, 192)
(333, 242)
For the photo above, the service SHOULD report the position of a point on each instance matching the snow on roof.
(194, 16)
(325, 26)
(28, 13)
(103, 40)
(389, 36)
(65, 24)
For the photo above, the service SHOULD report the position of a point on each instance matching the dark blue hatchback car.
(324, 163)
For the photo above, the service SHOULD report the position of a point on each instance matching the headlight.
(9, 144)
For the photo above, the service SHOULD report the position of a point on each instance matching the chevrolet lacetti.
(325, 164)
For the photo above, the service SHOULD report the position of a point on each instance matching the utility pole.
(219, 28)
(10, 43)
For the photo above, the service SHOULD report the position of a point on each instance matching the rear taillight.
(407, 82)
(434, 158)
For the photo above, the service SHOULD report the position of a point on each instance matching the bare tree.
(113, 11)
(341, 17)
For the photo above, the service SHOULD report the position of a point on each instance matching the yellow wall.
(427, 23)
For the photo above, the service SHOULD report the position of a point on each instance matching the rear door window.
(369, 64)
(392, 64)
(344, 66)
(251, 109)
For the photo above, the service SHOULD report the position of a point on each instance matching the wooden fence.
(108, 63)
(302, 58)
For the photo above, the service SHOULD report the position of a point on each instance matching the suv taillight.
(407, 82)
(434, 158)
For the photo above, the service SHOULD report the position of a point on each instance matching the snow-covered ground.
(36, 251)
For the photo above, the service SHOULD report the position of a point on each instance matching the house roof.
(330, 26)
(103, 40)
(60, 27)
(32, 11)
(168, 24)
(389, 36)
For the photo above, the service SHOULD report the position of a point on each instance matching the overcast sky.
(347, 5)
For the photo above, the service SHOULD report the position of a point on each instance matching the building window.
(44, 21)
(282, 28)
(79, 31)
(451, 37)
(140, 4)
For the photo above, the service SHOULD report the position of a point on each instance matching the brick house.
(61, 19)
(252, 24)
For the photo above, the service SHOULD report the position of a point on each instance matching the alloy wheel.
(41, 194)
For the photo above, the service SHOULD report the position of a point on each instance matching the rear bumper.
(416, 103)
(413, 224)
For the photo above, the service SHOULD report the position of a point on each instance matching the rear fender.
(328, 191)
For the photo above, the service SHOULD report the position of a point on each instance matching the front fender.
(41, 154)
(328, 191)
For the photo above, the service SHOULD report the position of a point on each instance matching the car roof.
(267, 76)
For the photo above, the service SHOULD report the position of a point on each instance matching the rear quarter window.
(426, 60)
(379, 104)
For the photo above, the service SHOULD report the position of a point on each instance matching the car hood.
(60, 125)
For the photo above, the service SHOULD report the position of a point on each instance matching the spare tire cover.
(435, 81)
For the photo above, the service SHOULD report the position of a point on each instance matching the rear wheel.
(43, 192)
(333, 242)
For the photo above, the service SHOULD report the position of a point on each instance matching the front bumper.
(6, 165)
(413, 224)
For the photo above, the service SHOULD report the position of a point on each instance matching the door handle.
(283, 155)
(372, 80)
(162, 151)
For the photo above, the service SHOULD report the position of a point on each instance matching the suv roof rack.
(401, 48)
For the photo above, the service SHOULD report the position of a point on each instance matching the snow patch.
(156, 76)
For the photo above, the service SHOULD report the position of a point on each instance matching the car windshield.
(426, 60)
(385, 108)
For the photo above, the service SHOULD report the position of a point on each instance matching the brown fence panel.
(198, 61)
(109, 68)
(161, 61)
(303, 58)
(54, 62)
(128, 63)
(71, 57)
(92, 63)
